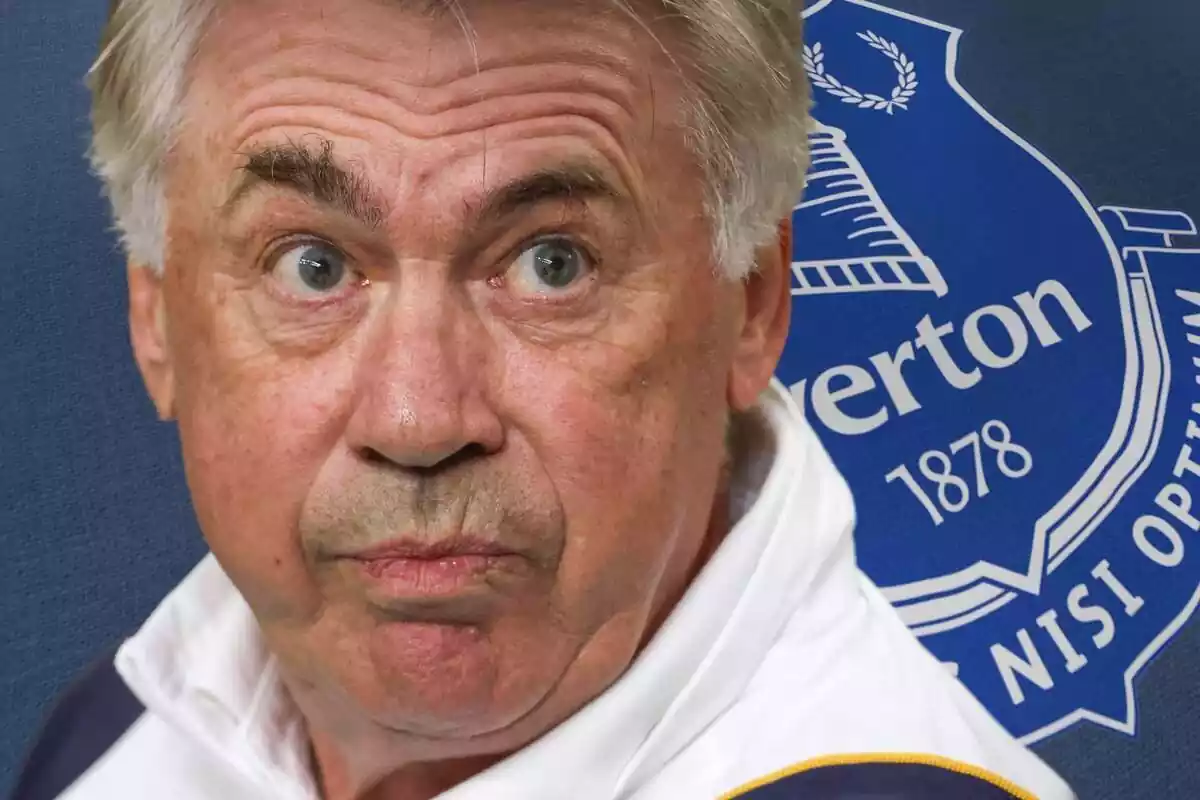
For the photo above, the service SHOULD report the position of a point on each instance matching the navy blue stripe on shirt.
(884, 780)
(89, 717)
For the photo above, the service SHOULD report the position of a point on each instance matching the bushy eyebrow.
(568, 183)
(312, 171)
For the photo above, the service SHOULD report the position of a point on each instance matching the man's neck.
(337, 780)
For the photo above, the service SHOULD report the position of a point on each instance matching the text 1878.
(952, 492)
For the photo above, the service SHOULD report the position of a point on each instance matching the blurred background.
(95, 524)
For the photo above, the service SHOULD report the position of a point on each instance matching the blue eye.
(312, 268)
(549, 266)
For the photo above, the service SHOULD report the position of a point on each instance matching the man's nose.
(422, 394)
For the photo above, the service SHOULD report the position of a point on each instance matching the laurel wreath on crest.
(902, 92)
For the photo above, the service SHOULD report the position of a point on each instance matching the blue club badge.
(1008, 376)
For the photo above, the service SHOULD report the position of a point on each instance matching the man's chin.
(440, 681)
(419, 648)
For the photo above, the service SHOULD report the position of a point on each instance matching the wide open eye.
(548, 267)
(312, 269)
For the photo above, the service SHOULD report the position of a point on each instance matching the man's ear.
(768, 312)
(148, 334)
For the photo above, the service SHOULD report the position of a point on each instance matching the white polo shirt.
(782, 656)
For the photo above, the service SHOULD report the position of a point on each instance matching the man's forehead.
(284, 88)
(429, 43)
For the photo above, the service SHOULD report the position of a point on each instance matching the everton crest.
(1007, 374)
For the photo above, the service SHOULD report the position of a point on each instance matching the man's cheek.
(248, 500)
(615, 549)
(268, 420)
(258, 547)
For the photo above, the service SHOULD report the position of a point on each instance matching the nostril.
(373, 456)
(464, 454)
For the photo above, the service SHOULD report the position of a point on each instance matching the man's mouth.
(421, 570)
(417, 549)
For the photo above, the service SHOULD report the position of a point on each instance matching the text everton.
(844, 397)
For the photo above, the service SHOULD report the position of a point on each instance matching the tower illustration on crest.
(847, 240)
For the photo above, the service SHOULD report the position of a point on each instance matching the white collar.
(199, 661)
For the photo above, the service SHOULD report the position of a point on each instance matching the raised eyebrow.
(560, 184)
(312, 171)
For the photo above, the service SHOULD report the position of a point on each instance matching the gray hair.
(747, 115)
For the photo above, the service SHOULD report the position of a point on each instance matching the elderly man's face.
(450, 360)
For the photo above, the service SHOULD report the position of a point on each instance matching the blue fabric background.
(95, 523)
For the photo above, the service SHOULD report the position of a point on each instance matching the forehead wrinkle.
(468, 111)
(613, 75)
(590, 39)
(392, 135)
(617, 81)
(395, 127)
